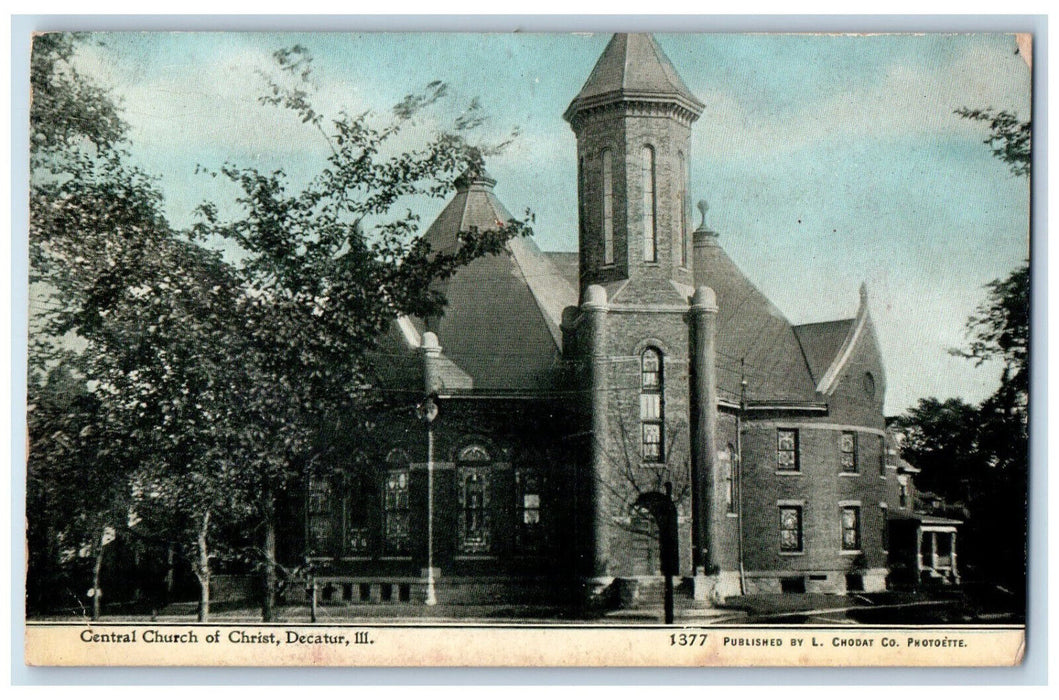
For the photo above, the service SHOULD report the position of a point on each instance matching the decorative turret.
(633, 122)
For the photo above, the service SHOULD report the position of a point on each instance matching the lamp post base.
(431, 576)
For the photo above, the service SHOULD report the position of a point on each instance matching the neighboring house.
(567, 384)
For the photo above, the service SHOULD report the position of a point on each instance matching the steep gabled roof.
(501, 324)
(568, 264)
(633, 66)
(754, 339)
(821, 342)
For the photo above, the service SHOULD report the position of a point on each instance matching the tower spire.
(633, 120)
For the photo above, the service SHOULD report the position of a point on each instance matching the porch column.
(952, 555)
(919, 551)
(934, 551)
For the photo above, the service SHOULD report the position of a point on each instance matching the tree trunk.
(202, 568)
(97, 604)
(268, 605)
(170, 576)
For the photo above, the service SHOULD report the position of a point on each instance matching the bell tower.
(633, 122)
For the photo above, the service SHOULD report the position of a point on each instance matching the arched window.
(682, 234)
(320, 516)
(608, 208)
(395, 505)
(358, 507)
(651, 408)
(474, 486)
(647, 176)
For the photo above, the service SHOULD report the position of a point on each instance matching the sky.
(827, 160)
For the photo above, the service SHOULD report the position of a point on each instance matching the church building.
(557, 389)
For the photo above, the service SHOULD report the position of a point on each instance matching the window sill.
(732, 515)
(789, 472)
(851, 552)
(396, 558)
(793, 554)
(849, 473)
(475, 557)
(359, 557)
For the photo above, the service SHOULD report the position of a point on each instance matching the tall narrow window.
(903, 494)
(787, 450)
(682, 234)
(475, 529)
(729, 478)
(358, 514)
(651, 409)
(608, 208)
(885, 539)
(851, 529)
(582, 225)
(396, 532)
(790, 529)
(528, 491)
(849, 451)
(882, 456)
(319, 514)
(647, 175)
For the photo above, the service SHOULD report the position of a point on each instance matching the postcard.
(399, 349)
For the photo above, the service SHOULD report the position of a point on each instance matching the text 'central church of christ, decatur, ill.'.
(560, 390)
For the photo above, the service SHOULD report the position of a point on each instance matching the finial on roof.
(475, 174)
(863, 292)
(703, 207)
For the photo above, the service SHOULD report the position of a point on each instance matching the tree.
(79, 187)
(327, 268)
(157, 335)
(941, 439)
(1009, 138)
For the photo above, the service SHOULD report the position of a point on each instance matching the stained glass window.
(851, 528)
(849, 451)
(790, 528)
(787, 450)
(319, 516)
(475, 526)
(358, 515)
(396, 531)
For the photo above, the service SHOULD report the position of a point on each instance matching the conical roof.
(501, 322)
(633, 66)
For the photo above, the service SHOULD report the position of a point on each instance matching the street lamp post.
(428, 411)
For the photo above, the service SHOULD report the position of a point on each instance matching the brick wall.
(624, 135)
